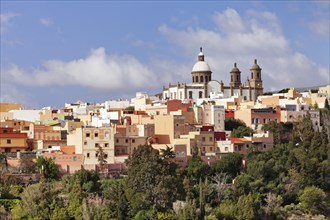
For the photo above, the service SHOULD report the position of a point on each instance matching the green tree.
(35, 202)
(246, 207)
(326, 104)
(312, 200)
(47, 167)
(151, 181)
(167, 153)
(197, 169)
(230, 164)
(87, 179)
(242, 131)
(114, 191)
(76, 197)
(231, 124)
(101, 158)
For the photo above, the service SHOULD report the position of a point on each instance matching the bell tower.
(235, 77)
(256, 81)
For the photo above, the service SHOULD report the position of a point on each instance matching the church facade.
(203, 86)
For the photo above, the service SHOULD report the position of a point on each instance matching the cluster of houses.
(190, 122)
(72, 135)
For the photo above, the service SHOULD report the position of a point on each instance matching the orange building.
(12, 141)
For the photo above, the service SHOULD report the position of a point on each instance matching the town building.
(203, 86)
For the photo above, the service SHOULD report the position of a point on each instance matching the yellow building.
(11, 141)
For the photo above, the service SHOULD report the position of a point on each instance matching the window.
(247, 146)
(97, 145)
(87, 155)
(105, 156)
(258, 75)
(210, 78)
(211, 138)
(252, 121)
(202, 79)
(117, 140)
(96, 134)
(237, 77)
(203, 139)
(88, 134)
(126, 140)
(251, 75)
(107, 134)
(106, 145)
(8, 141)
(203, 149)
(85, 142)
(264, 145)
(96, 155)
(211, 148)
(190, 95)
(196, 79)
(133, 140)
(264, 121)
(226, 148)
(200, 94)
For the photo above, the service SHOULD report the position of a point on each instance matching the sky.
(56, 52)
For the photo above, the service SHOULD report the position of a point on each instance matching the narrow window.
(202, 79)
(8, 141)
(190, 95)
(96, 134)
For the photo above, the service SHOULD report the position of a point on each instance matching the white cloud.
(98, 70)
(5, 21)
(320, 20)
(241, 39)
(46, 21)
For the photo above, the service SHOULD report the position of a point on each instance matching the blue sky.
(58, 52)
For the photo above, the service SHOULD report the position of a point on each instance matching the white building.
(203, 86)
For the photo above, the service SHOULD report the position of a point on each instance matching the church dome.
(201, 66)
(255, 66)
(235, 69)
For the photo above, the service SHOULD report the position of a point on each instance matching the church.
(202, 85)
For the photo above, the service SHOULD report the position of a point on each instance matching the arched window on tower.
(206, 78)
(251, 75)
(196, 79)
(193, 78)
(200, 94)
(202, 79)
(237, 78)
(209, 77)
(258, 75)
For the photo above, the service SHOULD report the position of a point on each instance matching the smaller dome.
(235, 69)
(255, 66)
(201, 66)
